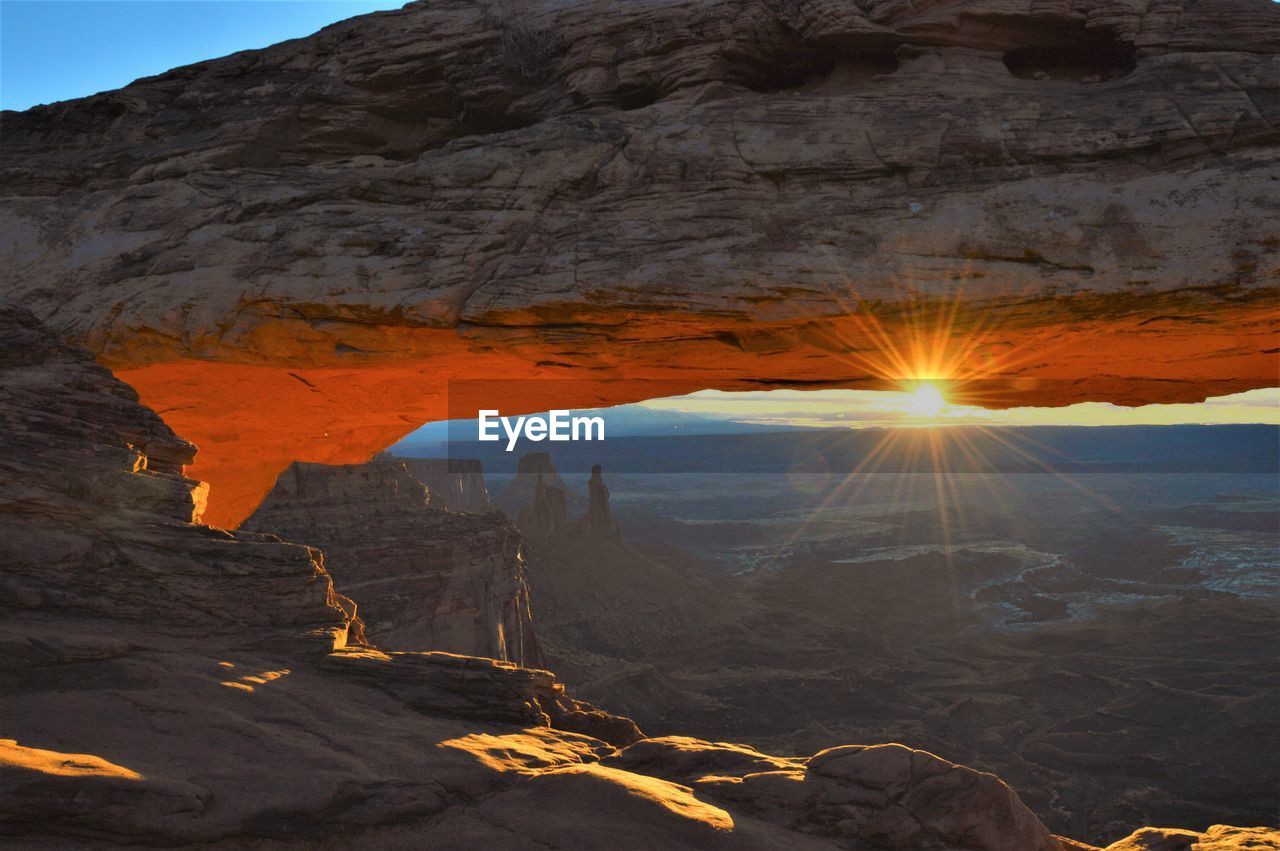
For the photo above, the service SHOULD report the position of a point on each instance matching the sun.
(925, 400)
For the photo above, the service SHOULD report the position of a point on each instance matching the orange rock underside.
(251, 420)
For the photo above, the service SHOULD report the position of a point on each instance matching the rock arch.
(291, 252)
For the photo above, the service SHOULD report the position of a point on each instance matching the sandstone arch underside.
(291, 253)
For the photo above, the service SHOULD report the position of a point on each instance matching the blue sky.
(53, 50)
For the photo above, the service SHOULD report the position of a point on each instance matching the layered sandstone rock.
(481, 689)
(424, 577)
(889, 795)
(299, 252)
(166, 684)
(456, 484)
(95, 528)
(1219, 837)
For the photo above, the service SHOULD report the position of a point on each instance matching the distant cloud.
(855, 408)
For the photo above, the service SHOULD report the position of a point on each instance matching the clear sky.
(53, 50)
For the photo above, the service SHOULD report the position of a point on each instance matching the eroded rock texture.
(95, 529)
(891, 795)
(166, 684)
(1219, 837)
(424, 577)
(456, 484)
(292, 253)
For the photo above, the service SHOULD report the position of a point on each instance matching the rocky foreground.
(168, 683)
(304, 252)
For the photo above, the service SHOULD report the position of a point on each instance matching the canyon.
(224, 289)
(757, 608)
(169, 683)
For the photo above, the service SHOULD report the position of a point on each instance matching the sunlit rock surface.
(424, 577)
(160, 679)
(167, 684)
(291, 253)
(890, 795)
(96, 529)
(1219, 837)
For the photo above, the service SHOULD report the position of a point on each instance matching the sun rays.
(941, 355)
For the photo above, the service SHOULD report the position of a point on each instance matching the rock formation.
(1219, 837)
(546, 516)
(95, 529)
(599, 603)
(424, 577)
(518, 495)
(598, 522)
(167, 684)
(891, 795)
(456, 484)
(540, 501)
(149, 663)
(294, 252)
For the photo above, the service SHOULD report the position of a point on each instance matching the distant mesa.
(546, 515)
(541, 502)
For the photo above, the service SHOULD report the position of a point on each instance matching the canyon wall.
(600, 605)
(168, 684)
(456, 484)
(96, 529)
(423, 577)
(302, 252)
(164, 683)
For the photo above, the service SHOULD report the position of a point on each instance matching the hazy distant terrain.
(715, 446)
(1104, 641)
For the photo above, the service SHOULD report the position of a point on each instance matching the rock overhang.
(292, 252)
